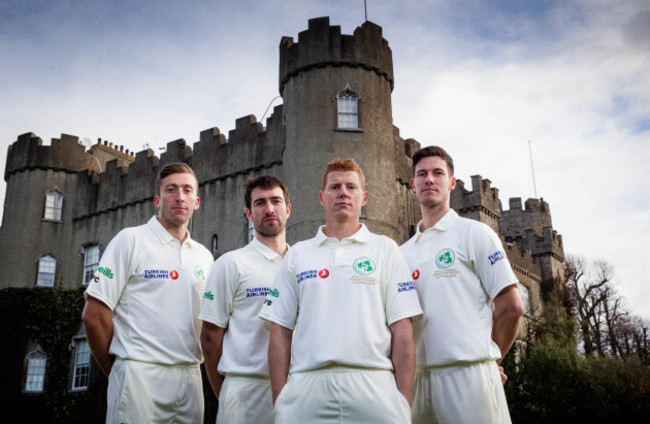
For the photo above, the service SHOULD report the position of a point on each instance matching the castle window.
(524, 294)
(46, 271)
(347, 104)
(215, 243)
(35, 380)
(53, 206)
(81, 365)
(91, 262)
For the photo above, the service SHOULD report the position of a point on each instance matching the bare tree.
(605, 325)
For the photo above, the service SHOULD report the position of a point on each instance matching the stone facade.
(105, 188)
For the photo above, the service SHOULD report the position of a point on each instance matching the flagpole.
(532, 169)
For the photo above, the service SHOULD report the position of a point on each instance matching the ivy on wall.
(50, 318)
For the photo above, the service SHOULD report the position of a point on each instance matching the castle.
(65, 201)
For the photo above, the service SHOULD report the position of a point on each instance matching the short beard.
(262, 230)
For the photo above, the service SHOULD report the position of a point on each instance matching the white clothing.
(465, 394)
(245, 400)
(141, 392)
(341, 396)
(154, 286)
(341, 298)
(459, 267)
(237, 284)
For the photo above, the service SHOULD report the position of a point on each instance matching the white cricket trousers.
(142, 392)
(245, 400)
(341, 395)
(465, 394)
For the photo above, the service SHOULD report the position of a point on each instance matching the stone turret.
(480, 204)
(532, 229)
(313, 74)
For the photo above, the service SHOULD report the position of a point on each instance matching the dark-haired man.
(234, 340)
(141, 313)
(470, 300)
(349, 296)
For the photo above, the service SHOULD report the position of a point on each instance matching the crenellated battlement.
(249, 146)
(28, 152)
(535, 215)
(323, 45)
(114, 177)
(482, 203)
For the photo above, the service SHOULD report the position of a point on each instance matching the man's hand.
(503, 375)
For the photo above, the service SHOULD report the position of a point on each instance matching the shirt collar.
(443, 224)
(264, 250)
(163, 235)
(361, 236)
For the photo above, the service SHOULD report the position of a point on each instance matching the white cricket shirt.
(236, 287)
(458, 266)
(340, 297)
(154, 286)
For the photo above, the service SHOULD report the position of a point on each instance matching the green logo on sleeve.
(209, 295)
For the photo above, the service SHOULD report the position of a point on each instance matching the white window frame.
(347, 107)
(81, 365)
(46, 271)
(36, 363)
(91, 263)
(53, 206)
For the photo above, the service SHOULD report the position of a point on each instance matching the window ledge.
(349, 129)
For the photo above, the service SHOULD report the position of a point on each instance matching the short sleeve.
(116, 267)
(281, 302)
(492, 265)
(401, 296)
(220, 291)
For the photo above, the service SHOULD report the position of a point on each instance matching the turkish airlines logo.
(416, 274)
(323, 273)
(173, 274)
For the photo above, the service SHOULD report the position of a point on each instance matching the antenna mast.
(365, 8)
(532, 169)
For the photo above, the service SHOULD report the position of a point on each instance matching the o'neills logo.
(106, 272)
(160, 274)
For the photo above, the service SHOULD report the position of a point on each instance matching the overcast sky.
(480, 78)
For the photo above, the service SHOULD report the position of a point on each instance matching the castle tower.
(532, 229)
(47, 187)
(337, 104)
(481, 204)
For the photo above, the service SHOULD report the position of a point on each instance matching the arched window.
(347, 104)
(46, 271)
(35, 379)
(53, 206)
(81, 365)
(215, 243)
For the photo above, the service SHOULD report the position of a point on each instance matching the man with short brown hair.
(234, 340)
(142, 306)
(470, 300)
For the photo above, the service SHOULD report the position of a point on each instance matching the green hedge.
(551, 382)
